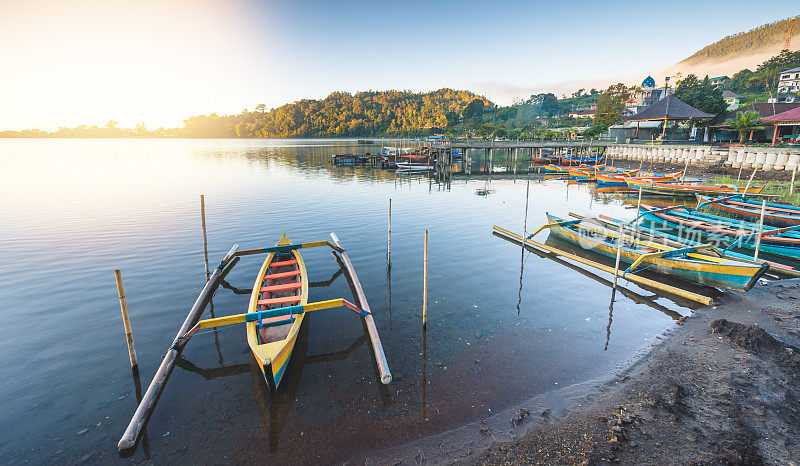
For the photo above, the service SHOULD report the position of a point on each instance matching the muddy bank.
(723, 387)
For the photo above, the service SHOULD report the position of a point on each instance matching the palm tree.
(744, 122)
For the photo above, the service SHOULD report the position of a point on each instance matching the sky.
(66, 63)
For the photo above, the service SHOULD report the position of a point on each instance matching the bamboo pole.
(425, 283)
(148, 403)
(380, 357)
(126, 321)
(685, 167)
(389, 243)
(205, 241)
(746, 188)
(638, 208)
(619, 252)
(760, 229)
(791, 186)
(630, 277)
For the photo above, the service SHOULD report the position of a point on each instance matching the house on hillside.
(719, 81)
(732, 99)
(789, 81)
(582, 113)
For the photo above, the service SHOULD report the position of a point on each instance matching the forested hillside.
(340, 114)
(748, 43)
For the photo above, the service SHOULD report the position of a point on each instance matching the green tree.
(610, 105)
(701, 95)
(744, 122)
(740, 82)
(549, 104)
(452, 119)
(474, 111)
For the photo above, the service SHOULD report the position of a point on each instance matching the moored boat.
(613, 179)
(692, 264)
(774, 214)
(653, 186)
(682, 222)
(282, 282)
(412, 166)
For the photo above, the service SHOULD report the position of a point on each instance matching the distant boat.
(675, 189)
(409, 166)
(366, 141)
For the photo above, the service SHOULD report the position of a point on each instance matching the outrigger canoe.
(774, 214)
(691, 263)
(613, 179)
(685, 223)
(591, 174)
(282, 282)
(582, 161)
(563, 170)
(409, 166)
(673, 189)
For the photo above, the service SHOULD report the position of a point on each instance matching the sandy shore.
(723, 387)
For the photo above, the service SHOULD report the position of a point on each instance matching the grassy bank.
(777, 188)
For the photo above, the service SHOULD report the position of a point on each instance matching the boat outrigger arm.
(192, 324)
(530, 243)
(256, 316)
(278, 249)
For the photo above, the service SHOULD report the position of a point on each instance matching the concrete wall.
(764, 158)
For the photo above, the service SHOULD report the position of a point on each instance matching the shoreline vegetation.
(454, 113)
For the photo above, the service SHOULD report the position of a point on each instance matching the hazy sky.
(70, 62)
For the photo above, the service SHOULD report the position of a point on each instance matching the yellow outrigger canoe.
(282, 282)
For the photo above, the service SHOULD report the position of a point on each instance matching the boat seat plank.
(281, 300)
(273, 276)
(284, 286)
(282, 263)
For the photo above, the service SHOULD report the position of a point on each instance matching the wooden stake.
(425, 283)
(685, 167)
(746, 188)
(389, 244)
(619, 251)
(126, 321)
(760, 229)
(791, 186)
(205, 241)
(638, 209)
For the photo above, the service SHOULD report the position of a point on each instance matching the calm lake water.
(72, 211)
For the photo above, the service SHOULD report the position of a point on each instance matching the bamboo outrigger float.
(278, 304)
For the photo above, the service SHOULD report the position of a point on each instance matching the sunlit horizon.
(68, 64)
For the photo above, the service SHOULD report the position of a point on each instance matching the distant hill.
(743, 50)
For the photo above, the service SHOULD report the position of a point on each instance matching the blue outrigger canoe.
(690, 263)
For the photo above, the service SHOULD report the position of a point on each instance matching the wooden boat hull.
(751, 212)
(272, 340)
(583, 161)
(702, 229)
(722, 273)
(669, 189)
(614, 179)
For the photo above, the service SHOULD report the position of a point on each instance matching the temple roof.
(670, 108)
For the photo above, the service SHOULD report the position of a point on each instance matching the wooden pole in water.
(685, 167)
(380, 357)
(148, 403)
(205, 241)
(425, 283)
(638, 209)
(389, 244)
(746, 188)
(126, 321)
(619, 251)
(760, 229)
(791, 186)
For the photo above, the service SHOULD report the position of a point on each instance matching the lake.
(502, 326)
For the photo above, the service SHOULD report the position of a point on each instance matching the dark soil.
(722, 388)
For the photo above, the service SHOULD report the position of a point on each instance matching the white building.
(789, 81)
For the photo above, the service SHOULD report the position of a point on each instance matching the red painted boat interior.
(280, 287)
